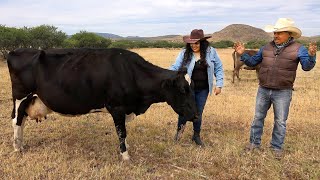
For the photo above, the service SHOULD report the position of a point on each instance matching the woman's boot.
(196, 138)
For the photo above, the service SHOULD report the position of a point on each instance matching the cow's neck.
(150, 82)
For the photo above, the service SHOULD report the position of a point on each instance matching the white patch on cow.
(37, 109)
(188, 79)
(99, 110)
(104, 110)
(125, 142)
(18, 130)
(130, 117)
(91, 111)
(125, 156)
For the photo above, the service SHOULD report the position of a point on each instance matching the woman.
(202, 63)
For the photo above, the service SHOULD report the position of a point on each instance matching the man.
(279, 60)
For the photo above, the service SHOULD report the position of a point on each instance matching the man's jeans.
(201, 98)
(281, 102)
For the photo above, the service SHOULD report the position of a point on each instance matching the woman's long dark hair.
(189, 52)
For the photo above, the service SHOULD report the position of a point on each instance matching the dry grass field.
(86, 147)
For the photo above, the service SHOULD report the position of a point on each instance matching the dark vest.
(278, 69)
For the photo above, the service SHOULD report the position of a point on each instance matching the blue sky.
(157, 17)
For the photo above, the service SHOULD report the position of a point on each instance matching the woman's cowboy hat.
(195, 35)
(284, 24)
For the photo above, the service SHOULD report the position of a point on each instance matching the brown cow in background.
(237, 64)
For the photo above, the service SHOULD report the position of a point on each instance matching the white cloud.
(153, 18)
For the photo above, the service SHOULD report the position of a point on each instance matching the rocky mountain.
(240, 32)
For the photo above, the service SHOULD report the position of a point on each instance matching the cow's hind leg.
(119, 122)
(237, 74)
(18, 121)
(233, 75)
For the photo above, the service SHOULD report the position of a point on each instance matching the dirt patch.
(3, 62)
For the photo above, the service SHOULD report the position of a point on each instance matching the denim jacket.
(214, 67)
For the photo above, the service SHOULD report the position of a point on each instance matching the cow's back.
(85, 79)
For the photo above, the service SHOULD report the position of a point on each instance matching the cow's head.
(178, 94)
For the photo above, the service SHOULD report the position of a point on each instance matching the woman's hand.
(217, 90)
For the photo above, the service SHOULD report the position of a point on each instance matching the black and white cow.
(80, 81)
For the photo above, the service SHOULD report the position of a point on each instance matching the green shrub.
(222, 44)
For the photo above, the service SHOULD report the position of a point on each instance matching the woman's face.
(195, 46)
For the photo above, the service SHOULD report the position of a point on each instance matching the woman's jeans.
(201, 98)
(280, 99)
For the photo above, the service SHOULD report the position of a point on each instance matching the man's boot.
(196, 139)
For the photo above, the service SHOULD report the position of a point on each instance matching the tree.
(167, 44)
(124, 44)
(255, 44)
(46, 36)
(88, 40)
(12, 38)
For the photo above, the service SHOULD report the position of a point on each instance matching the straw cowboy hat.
(284, 24)
(195, 35)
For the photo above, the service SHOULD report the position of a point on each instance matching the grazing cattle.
(237, 64)
(80, 81)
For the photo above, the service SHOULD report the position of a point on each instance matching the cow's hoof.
(18, 148)
(16, 151)
(125, 156)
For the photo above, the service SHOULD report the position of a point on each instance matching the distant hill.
(109, 35)
(138, 38)
(311, 38)
(233, 32)
(174, 38)
(240, 32)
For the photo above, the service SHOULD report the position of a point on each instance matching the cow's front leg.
(119, 121)
(122, 134)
